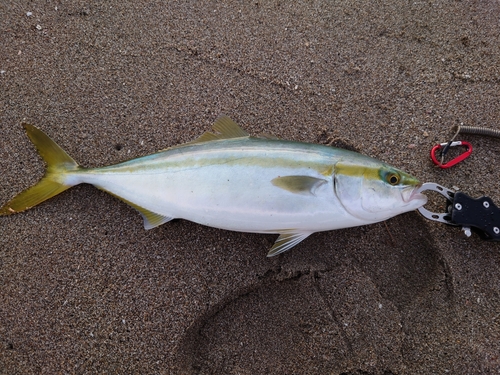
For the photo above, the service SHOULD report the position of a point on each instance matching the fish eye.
(393, 179)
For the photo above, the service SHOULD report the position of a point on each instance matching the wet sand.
(85, 289)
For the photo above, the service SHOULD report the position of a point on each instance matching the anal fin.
(286, 241)
(151, 219)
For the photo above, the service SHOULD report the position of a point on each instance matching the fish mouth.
(413, 196)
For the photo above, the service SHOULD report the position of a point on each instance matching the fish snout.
(413, 195)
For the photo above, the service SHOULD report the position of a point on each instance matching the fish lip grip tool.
(462, 210)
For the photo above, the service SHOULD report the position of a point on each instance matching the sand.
(84, 289)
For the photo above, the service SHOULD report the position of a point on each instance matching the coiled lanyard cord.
(476, 130)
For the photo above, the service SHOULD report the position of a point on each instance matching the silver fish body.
(232, 181)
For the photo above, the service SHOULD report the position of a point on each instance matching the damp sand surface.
(85, 289)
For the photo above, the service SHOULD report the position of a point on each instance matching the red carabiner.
(458, 159)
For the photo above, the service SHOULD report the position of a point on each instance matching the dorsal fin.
(228, 128)
(268, 136)
(225, 128)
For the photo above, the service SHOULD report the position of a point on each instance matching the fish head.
(376, 191)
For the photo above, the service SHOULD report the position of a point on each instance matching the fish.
(230, 180)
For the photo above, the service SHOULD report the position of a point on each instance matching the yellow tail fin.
(58, 163)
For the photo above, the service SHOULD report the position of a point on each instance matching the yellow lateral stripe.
(354, 170)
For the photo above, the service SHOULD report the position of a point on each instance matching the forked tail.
(58, 164)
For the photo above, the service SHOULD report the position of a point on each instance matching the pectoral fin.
(286, 241)
(298, 184)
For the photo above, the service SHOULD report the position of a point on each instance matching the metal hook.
(445, 147)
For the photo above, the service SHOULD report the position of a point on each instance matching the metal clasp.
(444, 217)
(445, 147)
